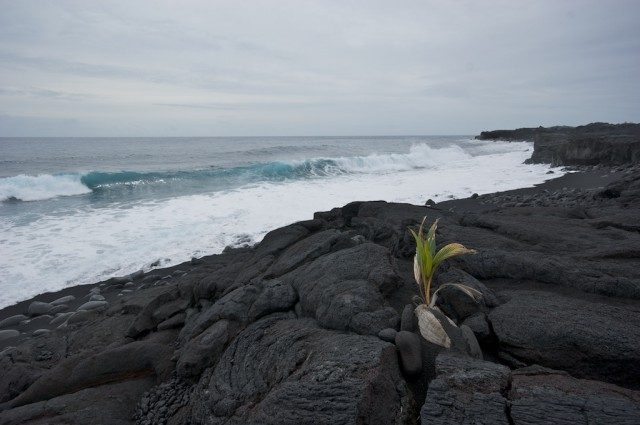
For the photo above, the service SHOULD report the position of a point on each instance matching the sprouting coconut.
(425, 264)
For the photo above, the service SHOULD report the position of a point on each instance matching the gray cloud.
(314, 67)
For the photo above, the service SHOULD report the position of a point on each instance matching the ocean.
(79, 210)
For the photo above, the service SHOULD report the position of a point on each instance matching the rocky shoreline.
(591, 144)
(315, 323)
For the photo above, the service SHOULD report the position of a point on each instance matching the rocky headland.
(591, 144)
(315, 324)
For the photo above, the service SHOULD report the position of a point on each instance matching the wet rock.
(12, 320)
(94, 305)
(97, 297)
(58, 309)
(37, 308)
(81, 316)
(39, 332)
(63, 300)
(61, 318)
(8, 334)
(40, 321)
(121, 280)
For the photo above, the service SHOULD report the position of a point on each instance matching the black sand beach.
(315, 323)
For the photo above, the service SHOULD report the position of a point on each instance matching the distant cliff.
(591, 144)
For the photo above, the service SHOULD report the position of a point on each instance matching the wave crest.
(43, 186)
(46, 186)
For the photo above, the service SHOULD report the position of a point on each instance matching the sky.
(285, 68)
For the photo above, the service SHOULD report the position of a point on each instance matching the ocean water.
(78, 210)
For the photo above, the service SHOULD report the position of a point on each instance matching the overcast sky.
(220, 68)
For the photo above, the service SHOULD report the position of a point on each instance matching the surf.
(48, 186)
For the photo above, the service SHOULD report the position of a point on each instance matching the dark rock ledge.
(591, 144)
(311, 326)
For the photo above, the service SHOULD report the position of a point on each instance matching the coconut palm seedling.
(426, 262)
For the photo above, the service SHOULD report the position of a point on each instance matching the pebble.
(39, 332)
(387, 334)
(12, 320)
(410, 349)
(37, 308)
(430, 203)
(79, 316)
(97, 297)
(63, 300)
(93, 305)
(121, 280)
(8, 334)
(60, 318)
(45, 319)
(136, 275)
(59, 309)
(407, 321)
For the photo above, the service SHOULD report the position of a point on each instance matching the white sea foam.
(95, 243)
(40, 187)
(419, 156)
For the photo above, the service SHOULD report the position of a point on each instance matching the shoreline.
(588, 178)
(322, 310)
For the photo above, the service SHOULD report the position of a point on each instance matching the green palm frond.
(427, 260)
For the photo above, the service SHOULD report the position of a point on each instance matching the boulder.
(296, 372)
(410, 351)
(38, 308)
(12, 320)
(304, 250)
(8, 334)
(63, 300)
(543, 396)
(587, 339)
(136, 359)
(94, 305)
(345, 289)
(466, 391)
